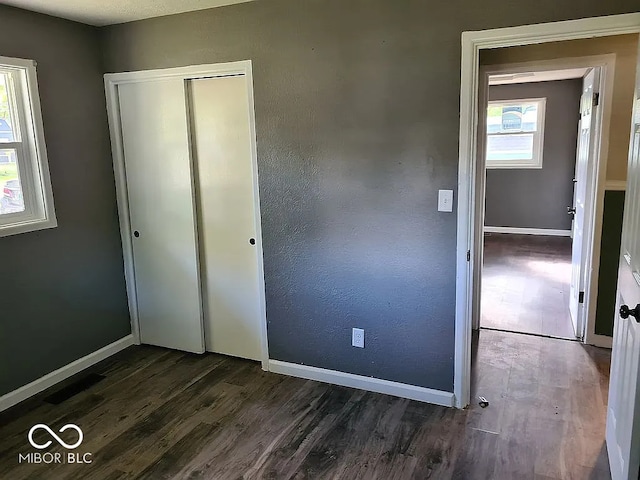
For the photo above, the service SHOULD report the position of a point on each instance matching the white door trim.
(472, 43)
(111, 81)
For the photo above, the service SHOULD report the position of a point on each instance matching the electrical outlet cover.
(357, 337)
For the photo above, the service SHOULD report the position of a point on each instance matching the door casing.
(112, 80)
(471, 180)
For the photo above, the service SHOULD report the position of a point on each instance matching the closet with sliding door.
(186, 173)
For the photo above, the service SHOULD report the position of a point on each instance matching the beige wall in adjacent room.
(625, 47)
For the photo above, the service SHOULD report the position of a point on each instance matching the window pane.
(510, 147)
(6, 121)
(10, 186)
(522, 117)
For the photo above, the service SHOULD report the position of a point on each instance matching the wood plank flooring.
(525, 284)
(162, 414)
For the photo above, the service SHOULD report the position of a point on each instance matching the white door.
(623, 411)
(228, 215)
(160, 191)
(584, 158)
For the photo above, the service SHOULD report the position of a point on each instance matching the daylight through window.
(26, 203)
(515, 133)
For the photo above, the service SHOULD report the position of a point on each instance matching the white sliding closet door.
(221, 136)
(155, 137)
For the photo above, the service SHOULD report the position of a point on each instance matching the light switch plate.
(445, 201)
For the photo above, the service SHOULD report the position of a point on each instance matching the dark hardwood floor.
(525, 284)
(162, 414)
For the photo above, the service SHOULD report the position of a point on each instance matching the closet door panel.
(162, 212)
(228, 213)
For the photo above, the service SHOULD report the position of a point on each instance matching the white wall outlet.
(445, 201)
(357, 337)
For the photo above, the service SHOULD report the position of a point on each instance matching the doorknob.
(571, 211)
(136, 233)
(625, 312)
(252, 241)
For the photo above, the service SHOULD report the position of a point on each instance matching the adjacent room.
(319, 239)
(532, 129)
(554, 192)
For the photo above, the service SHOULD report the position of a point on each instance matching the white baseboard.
(529, 231)
(602, 341)
(12, 398)
(377, 385)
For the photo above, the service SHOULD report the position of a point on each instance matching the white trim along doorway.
(471, 179)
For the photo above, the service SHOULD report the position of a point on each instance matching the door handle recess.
(626, 312)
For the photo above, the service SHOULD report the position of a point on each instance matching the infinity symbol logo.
(58, 439)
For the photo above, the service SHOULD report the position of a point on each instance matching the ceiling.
(530, 77)
(108, 12)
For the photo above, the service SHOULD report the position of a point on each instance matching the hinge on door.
(596, 99)
(468, 255)
(581, 297)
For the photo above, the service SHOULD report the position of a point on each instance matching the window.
(515, 133)
(26, 201)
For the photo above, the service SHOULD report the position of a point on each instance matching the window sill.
(27, 226)
(512, 166)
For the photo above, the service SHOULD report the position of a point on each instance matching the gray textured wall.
(538, 198)
(62, 291)
(357, 109)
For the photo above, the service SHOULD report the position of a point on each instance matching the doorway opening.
(621, 439)
(539, 191)
(559, 40)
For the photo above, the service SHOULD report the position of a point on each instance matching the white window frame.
(32, 160)
(538, 136)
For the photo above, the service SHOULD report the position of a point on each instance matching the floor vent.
(74, 388)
